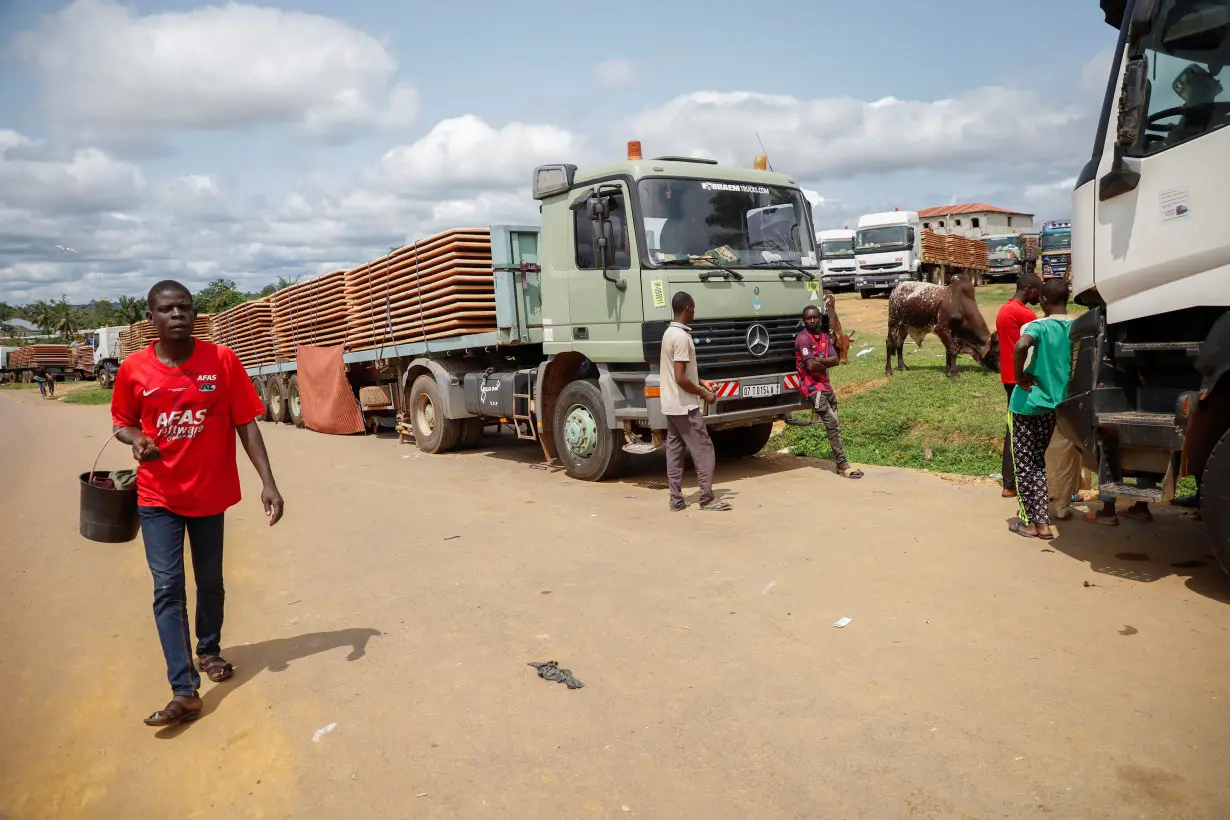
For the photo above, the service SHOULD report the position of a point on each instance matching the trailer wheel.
(1215, 499)
(588, 448)
(433, 431)
(294, 404)
(275, 400)
(258, 384)
(742, 442)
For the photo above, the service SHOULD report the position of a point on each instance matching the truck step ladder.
(521, 401)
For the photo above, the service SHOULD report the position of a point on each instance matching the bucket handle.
(90, 479)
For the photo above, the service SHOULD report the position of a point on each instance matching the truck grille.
(881, 266)
(721, 346)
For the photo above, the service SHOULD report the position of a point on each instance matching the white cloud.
(841, 137)
(616, 74)
(115, 73)
(90, 180)
(467, 152)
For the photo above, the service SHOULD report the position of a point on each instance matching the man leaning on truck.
(685, 429)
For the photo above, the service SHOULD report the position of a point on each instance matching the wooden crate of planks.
(83, 357)
(247, 329)
(434, 288)
(312, 312)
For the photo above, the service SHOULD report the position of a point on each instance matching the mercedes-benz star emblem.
(758, 340)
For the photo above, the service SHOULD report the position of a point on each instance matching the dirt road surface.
(382, 632)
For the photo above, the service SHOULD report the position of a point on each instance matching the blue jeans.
(163, 532)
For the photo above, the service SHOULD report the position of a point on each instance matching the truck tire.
(866, 294)
(471, 433)
(587, 447)
(275, 400)
(741, 442)
(258, 384)
(294, 404)
(433, 431)
(1215, 500)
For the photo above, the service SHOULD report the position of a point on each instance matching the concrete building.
(975, 220)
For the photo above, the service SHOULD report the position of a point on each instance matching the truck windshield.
(1057, 241)
(837, 249)
(883, 239)
(739, 223)
(1004, 251)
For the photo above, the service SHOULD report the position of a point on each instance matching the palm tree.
(63, 321)
(42, 313)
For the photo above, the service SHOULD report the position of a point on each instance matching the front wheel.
(866, 294)
(434, 432)
(588, 448)
(741, 442)
(1215, 500)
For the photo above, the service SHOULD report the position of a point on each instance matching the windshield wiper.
(781, 263)
(704, 262)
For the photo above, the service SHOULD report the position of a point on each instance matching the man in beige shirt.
(685, 429)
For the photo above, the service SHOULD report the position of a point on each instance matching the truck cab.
(1149, 398)
(1055, 249)
(888, 249)
(1006, 256)
(106, 354)
(837, 266)
(615, 245)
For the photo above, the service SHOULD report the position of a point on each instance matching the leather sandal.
(215, 668)
(175, 712)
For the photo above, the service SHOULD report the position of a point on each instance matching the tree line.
(64, 320)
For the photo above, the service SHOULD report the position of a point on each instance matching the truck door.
(1169, 227)
(606, 321)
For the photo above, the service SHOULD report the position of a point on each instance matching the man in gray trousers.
(685, 429)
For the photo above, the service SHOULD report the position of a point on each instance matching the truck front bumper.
(741, 402)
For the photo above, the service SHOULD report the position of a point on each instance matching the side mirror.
(598, 205)
(1133, 98)
(910, 235)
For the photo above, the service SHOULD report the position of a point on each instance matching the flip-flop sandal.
(1018, 528)
(719, 506)
(848, 473)
(174, 713)
(215, 668)
(1094, 518)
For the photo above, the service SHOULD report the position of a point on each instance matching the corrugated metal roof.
(969, 208)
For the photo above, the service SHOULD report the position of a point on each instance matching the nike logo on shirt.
(149, 392)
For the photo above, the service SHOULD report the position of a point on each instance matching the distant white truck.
(106, 341)
(837, 266)
(888, 251)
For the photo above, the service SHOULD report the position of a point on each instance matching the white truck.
(106, 342)
(837, 266)
(888, 250)
(1149, 399)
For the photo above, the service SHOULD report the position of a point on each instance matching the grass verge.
(19, 386)
(88, 395)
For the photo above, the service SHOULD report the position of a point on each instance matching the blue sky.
(289, 138)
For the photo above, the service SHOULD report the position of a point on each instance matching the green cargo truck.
(581, 306)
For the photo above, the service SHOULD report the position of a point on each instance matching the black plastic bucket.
(108, 515)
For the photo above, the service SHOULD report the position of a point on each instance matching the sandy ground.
(382, 631)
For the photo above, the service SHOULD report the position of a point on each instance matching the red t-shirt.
(191, 413)
(1008, 323)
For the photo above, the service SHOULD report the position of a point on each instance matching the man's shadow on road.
(275, 655)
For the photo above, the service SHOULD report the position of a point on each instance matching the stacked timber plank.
(83, 357)
(310, 313)
(19, 358)
(247, 329)
(47, 356)
(934, 250)
(143, 333)
(434, 288)
(954, 251)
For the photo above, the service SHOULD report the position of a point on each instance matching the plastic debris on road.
(549, 670)
(841, 622)
(322, 731)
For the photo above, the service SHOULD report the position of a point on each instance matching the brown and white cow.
(918, 308)
(841, 340)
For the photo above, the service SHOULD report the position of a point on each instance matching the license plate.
(759, 391)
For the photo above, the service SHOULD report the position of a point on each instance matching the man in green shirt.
(1040, 386)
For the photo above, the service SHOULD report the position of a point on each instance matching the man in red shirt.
(180, 403)
(1013, 316)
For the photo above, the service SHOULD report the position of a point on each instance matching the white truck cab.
(106, 341)
(888, 250)
(837, 266)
